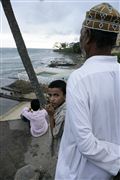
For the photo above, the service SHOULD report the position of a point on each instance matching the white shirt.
(90, 145)
(38, 121)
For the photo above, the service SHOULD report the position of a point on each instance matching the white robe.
(90, 145)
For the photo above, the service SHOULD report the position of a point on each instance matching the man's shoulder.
(78, 75)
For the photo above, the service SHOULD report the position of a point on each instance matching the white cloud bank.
(43, 23)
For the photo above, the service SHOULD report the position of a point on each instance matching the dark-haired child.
(56, 109)
(36, 117)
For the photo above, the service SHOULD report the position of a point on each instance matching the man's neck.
(99, 52)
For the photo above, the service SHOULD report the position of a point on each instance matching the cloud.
(48, 20)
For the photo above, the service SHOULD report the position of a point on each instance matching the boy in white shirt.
(36, 118)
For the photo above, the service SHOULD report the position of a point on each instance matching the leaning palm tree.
(7, 7)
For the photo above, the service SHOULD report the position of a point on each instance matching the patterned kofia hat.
(103, 17)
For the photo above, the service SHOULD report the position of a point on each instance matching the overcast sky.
(42, 23)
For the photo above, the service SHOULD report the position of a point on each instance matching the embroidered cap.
(103, 17)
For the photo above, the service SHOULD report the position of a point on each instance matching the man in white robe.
(90, 145)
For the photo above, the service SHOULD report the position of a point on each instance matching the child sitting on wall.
(36, 118)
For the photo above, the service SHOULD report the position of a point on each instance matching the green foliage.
(76, 48)
(67, 48)
(63, 45)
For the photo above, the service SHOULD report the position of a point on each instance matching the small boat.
(60, 63)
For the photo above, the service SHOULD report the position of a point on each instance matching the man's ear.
(87, 36)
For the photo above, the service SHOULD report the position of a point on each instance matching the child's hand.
(30, 109)
(50, 109)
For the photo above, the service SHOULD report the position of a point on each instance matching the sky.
(44, 22)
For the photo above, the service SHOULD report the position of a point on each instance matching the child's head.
(57, 92)
(35, 104)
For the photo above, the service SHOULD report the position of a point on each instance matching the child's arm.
(51, 111)
(26, 112)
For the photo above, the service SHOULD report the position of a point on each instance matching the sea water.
(11, 64)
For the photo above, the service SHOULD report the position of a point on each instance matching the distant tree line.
(73, 47)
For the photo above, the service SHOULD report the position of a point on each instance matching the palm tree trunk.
(6, 4)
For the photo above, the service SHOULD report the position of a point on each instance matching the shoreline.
(8, 105)
(11, 86)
